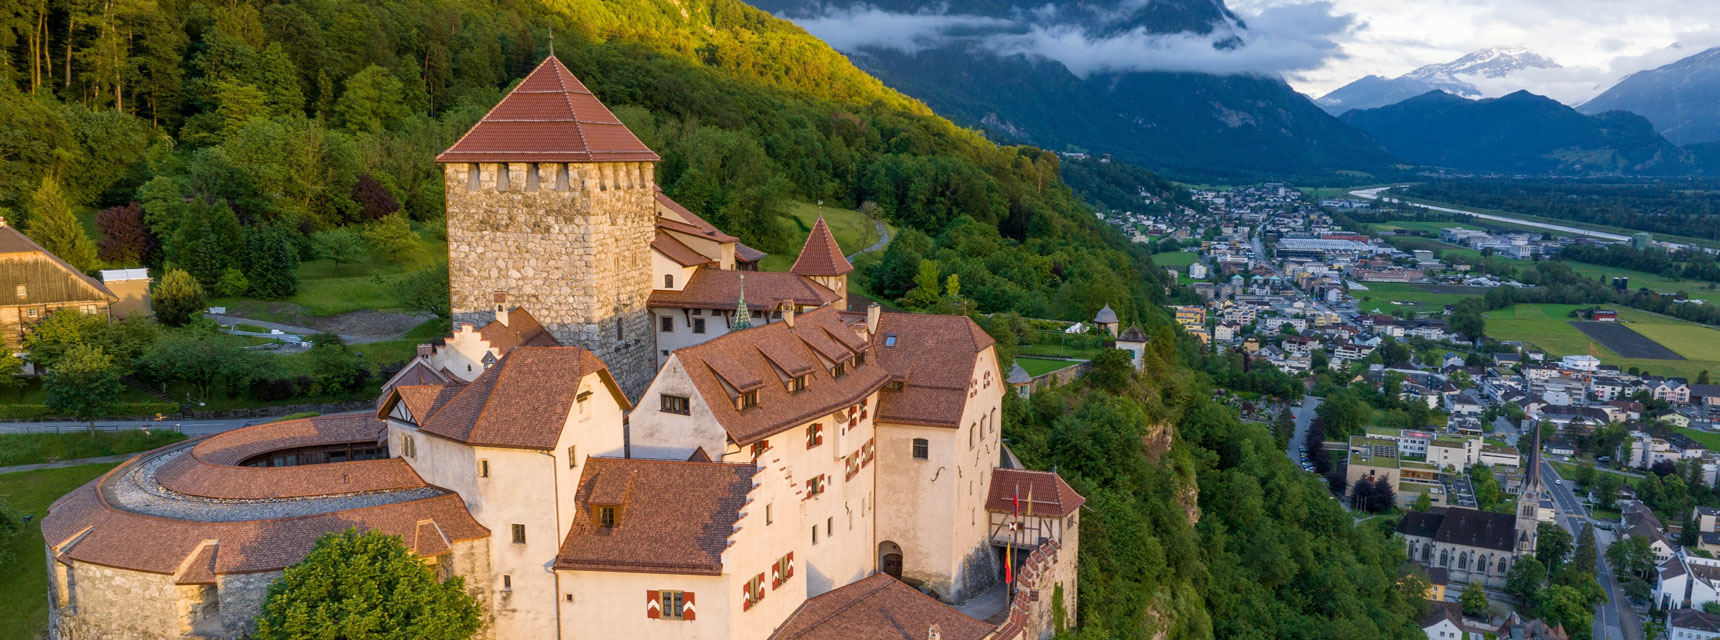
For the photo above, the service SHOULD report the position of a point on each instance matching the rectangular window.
(675, 404)
(754, 592)
(23, 292)
(667, 324)
(668, 281)
(893, 385)
(474, 177)
(619, 334)
(572, 456)
(814, 435)
(797, 384)
(531, 177)
(698, 325)
(759, 448)
(767, 517)
(814, 534)
(507, 582)
(922, 449)
(606, 517)
(747, 400)
(672, 604)
(519, 534)
(483, 468)
(829, 526)
(970, 437)
(839, 371)
(815, 486)
(889, 339)
(859, 359)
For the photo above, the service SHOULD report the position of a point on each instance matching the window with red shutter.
(653, 606)
(687, 607)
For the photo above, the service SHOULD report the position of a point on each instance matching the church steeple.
(743, 318)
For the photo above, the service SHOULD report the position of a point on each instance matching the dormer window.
(840, 370)
(859, 359)
(606, 516)
(797, 384)
(746, 400)
(893, 385)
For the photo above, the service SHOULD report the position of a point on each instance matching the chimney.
(426, 350)
(502, 307)
(788, 313)
(873, 312)
(934, 633)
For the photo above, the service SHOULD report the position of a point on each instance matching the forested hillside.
(256, 134)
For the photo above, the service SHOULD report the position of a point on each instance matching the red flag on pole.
(1009, 552)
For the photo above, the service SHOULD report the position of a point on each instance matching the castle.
(631, 433)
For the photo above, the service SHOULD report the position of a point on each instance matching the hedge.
(125, 409)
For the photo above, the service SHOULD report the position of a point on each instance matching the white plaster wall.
(682, 337)
(668, 436)
(609, 605)
(935, 508)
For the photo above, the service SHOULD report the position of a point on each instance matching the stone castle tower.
(551, 208)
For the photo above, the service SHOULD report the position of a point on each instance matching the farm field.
(1179, 260)
(1640, 279)
(1387, 297)
(1624, 340)
(1548, 326)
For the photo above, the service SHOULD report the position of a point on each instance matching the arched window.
(1427, 552)
(1504, 566)
(1463, 561)
(1445, 557)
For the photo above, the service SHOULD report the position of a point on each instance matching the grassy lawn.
(32, 448)
(1386, 297)
(24, 577)
(1058, 351)
(31, 393)
(1640, 279)
(1179, 260)
(1036, 367)
(1548, 326)
(327, 289)
(1705, 438)
(853, 231)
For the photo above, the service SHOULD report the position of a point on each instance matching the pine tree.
(208, 242)
(53, 226)
(271, 264)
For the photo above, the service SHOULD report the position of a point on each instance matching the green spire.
(743, 319)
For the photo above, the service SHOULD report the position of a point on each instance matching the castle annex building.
(631, 433)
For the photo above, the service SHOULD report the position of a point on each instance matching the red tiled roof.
(745, 253)
(549, 117)
(522, 401)
(1052, 497)
(423, 400)
(127, 540)
(878, 608)
(201, 567)
(673, 516)
(521, 330)
(209, 469)
(418, 372)
(721, 289)
(739, 360)
(666, 244)
(935, 357)
(820, 256)
(689, 222)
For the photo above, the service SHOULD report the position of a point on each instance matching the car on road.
(1560, 482)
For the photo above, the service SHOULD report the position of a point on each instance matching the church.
(631, 432)
(1480, 546)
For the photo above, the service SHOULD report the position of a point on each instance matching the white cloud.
(1279, 39)
(867, 27)
(1597, 41)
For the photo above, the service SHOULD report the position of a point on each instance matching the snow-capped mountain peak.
(1455, 77)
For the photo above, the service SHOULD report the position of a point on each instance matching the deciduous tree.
(365, 586)
(83, 385)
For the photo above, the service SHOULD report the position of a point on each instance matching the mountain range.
(1682, 99)
(1520, 133)
(1453, 77)
(1186, 121)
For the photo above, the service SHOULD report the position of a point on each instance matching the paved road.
(1614, 618)
(883, 239)
(1374, 194)
(302, 332)
(193, 428)
(1304, 415)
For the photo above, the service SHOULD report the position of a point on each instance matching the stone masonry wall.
(578, 260)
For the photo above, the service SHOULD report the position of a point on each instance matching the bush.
(232, 283)
(120, 410)
(178, 299)
(272, 389)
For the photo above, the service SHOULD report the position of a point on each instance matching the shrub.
(178, 299)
